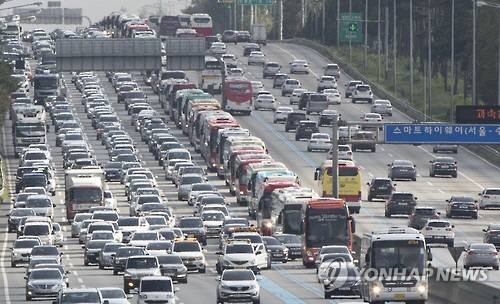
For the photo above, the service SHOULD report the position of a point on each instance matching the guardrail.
(485, 151)
(3, 180)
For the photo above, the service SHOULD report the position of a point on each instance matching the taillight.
(494, 253)
(448, 229)
(428, 228)
(471, 253)
(349, 153)
(486, 196)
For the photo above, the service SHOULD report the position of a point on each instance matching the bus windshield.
(240, 87)
(27, 130)
(404, 255)
(292, 217)
(327, 227)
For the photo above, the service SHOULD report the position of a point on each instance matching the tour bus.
(202, 23)
(325, 221)
(349, 182)
(183, 101)
(202, 120)
(397, 257)
(239, 168)
(291, 201)
(193, 112)
(185, 21)
(258, 183)
(194, 124)
(222, 138)
(267, 212)
(209, 137)
(172, 95)
(237, 96)
(168, 26)
(231, 142)
(206, 103)
(243, 197)
(233, 155)
(211, 76)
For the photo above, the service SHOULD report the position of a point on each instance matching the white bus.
(394, 261)
(211, 76)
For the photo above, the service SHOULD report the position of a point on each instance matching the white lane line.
(369, 173)
(441, 191)
(79, 280)
(6, 235)
(382, 149)
(462, 174)
(70, 265)
(75, 273)
(390, 155)
(362, 168)
(430, 184)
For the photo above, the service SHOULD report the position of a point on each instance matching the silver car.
(76, 224)
(185, 185)
(58, 235)
(44, 282)
(105, 258)
(20, 252)
(382, 107)
(481, 255)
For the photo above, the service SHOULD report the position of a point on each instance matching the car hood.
(212, 223)
(157, 296)
(188, 254)
(45, 282)
(238, 283)
(142, 272)
(275, 247)
(239, 257)
(21, 250)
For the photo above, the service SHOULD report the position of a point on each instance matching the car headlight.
(224, 286)
(199, 258)
(226, 263)
(30, 285)
(422, 288)
(254, 286)
(376, 289)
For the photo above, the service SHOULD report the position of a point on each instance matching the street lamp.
(480, 3)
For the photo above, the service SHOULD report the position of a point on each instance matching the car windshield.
(402, 163)
(337, 257)
(36, 230)
(239, 275)
(112, 294)
(160, 220)
(188, 180)
(44, 251)
(463, 199)
(112, 247)
(289, 239)
(159, 246)
(444, 160)
(213, 217)
(169, 259)
(270, 241)
(187, 246)
(126, 252)
(402, 196)
(80, 297)
(142, 263)
(239, 248)
(110, 217)
(438, 224)
(21, 212)
(146, 236)
(96, 244)
(255, 239)
(202, 187)
(26, 244)
(49, 274)
(426, 212)
(128, 221)
(156, 285)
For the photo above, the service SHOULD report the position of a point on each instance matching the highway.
(285, 283)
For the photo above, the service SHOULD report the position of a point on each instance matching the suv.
(332, 69)
(237, 254)
(279, 80)
(138, 267)
(362, 92)
(270, 69)
(229, 36)
(156, 289)
(305, 129)
(490, 197)
(400, 203)
(191, 253)
(439, 231)
(363, 140)
(73, 295)
(121, 256)
(293, 119)
(351, 86)
(289, 85)
(443, 166)
(492, 235)
(238, 285)
(380, 188)
(421, 215)
(326, 82)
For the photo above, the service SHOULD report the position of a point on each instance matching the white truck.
(259, 34)
(84, 189)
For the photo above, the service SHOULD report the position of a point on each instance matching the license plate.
(307, 129)
(278, 254)
(399, 296)
(169, 273)
(403, 204)
(463, 207)
(344, 288)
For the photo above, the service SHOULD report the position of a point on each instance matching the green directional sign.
(254, 2)
(351, 27)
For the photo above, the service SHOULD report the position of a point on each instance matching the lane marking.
(430, 184)
(80, 280)
(390, 155)
(279, 292)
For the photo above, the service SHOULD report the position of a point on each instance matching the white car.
(382, 107)
(212, 221)
(372, 117)
(110, 200)
(326, 82)
(332, 69)
(439, 231)
(299, 66)
(362, 92)
(263, 258)
(344, 152)
(236, 254)
(490, 197)
(142, 238)
(319, 142)
(290, 85)
(265, 101)
(218, 48)
(295, 96)
(230, 60)
(256, 57)
(281, 114)
(235, 72)
(333, 96)
(345, 132)
(257, 87)
(191, 254)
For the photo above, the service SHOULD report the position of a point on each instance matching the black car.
(443, 166)
(19, 176)
(402, 169)
(304, 97)
(278, 251)
(380, 188)
(113, 171)
(342, 282)
(400, 203)
(16, 215)
(92, 250)
(327, 116)
(492, 235)
(209, 40)
(251, 47)
(461, 206)
(293, 243)
(305, 129)
(34, 180)
(243, 36)
(293, 119)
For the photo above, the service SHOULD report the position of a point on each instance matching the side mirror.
(258, 252)
(438, 213)
(176, 289)
(415, 198)
(217, 278)
(484, 230)
(220, 252)
(25, 277)
(430, 161)
(316, 175)
(453, 226)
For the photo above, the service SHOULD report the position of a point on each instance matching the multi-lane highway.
(285, 283)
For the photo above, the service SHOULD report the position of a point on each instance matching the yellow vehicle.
(349, 182)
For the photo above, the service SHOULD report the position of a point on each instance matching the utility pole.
(302, 19)
(386, 46)
(452, 102)
(281, 21)
(366, 34)
(242, 7)
(379, 41)
(251, 16)
(474, 101)
(394, 44)
(323, 22)
(430, 58)
(411, 51)
(350, 36)
(335, 157)
(235, 21)
(338, 23)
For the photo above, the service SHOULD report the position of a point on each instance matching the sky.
(97, 9)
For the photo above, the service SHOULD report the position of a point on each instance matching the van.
(316, 103)
(156, 289)
(293, 119)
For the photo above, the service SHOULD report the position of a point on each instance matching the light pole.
(452, 102)
(411, 51)
(366, 34)
(429, 52)
(474, 102)
(480, 3)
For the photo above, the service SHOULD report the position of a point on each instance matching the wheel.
(203, 270)
(495, 267)
(12, 264)
(370, 198)
(28, 298)
(257, 301)
(474, 216)
(309, 149)
(414, 179)
(327, 294)
(85, 262)
(286, 129)
(373, 149)
(448, 215)
(451, 243)
(387, 214)
(467, 267)
(308, 112)
(432, 174)
(434, 151)
(219, 301)
(297, 138)
(126, 289)
(454, 176)
(204, 243)
(115, 271)
(101, 266)
(185, 280)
